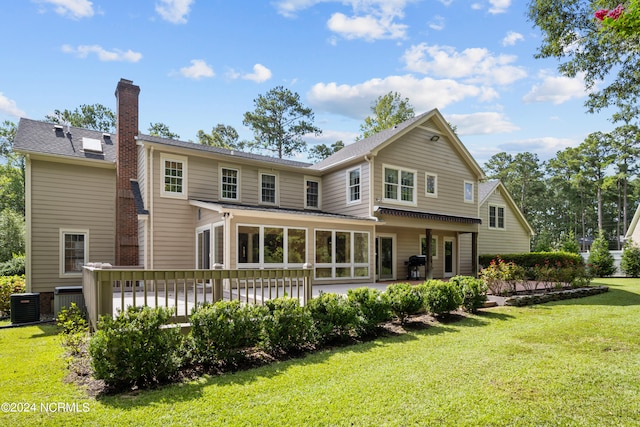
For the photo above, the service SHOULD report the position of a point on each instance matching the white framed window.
(229, 183)
(209, 245)
(496, 217)
(399, 185)
(74, 252)
(469, 192)
(353, 185)
(261, 246)
(311, 193)
(430, 184)
(268, 188)
(434, 246)
(341, 254)
(174, 176)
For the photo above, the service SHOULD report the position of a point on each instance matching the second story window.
(431, 185)
(353, 186)
(268, 184)
(229, 184)
(496, 217)
(399, 185)
(174, 180)
(312, 196)
(468, 191)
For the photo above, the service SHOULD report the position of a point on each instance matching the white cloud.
(437, 23)
(512, 38)
(74, 9)
(9, 106)
(260, 74)
(174, 11)
(556, 89)
(83, 51)
(424, 94)
(483, 123)
(328, 137)
(371, 19)
(446, 2)
(499, 6)
(544, 147)
(198, 69)
(474, 65)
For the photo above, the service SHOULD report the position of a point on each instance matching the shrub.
(13, 267)
(473, 292)
(221, 331)
(600, 260)
(495, 275)
(404, 300)
(287, 326)
(134, 349)
(333, 316)
(75, 328)
(372, 307)
(12, 234)
(440, 297)
(630, 262)
(9, 285)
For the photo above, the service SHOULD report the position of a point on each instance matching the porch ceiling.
(427, 215)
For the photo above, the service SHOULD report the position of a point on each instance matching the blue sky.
(203, 62)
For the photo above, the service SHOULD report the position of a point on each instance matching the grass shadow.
(614, 297)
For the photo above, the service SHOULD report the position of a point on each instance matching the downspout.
(151, 206)
(27, 214)
(227, 237)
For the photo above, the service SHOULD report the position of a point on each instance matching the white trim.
(359, 199)
(394, 256)
(199, 230)
(426, 178)
(285, 247)
(185, 176)
(398, 200)
(424, 236)
(238, 173)
(319, 182)
(69, 231)
(454, 257)
(351, 264)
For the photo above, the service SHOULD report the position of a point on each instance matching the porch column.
(474, 253)
(428, 264)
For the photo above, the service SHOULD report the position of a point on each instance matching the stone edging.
(522, 300)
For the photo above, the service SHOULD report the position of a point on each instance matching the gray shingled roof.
(221, 151)
(367, 145)
(486, 188)
(34, 136)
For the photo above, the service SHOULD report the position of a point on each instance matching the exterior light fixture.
(434, 138)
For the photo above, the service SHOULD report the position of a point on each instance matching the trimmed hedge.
(529, 260)
(404, 300)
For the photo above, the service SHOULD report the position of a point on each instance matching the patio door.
(385, 258)
(449, 258)
(203, 249)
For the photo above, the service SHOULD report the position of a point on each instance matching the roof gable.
(433, 121)
(486, 189)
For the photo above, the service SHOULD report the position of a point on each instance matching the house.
(356, 217)
(633, 232)
(504, 228)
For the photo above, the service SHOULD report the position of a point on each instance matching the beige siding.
(415, 151)
(513, 239)
(69, 197)
(334, 192)
(173, 223)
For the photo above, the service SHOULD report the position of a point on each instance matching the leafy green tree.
(322, 151)
(94, 116)
(162, 130)
(221, 136)
(7, 135)
(595, 157)
(280, 121)
(12, 234)
(388, 110)
(607, 59)
(11, 188)
(626, 147)
(600, 260)
(630, 262)
(570, 243)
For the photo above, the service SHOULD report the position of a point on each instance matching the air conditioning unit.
(25, 308)
(63, 296)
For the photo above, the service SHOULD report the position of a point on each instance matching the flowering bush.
(624, 20)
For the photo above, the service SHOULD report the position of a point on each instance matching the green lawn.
(573, 362)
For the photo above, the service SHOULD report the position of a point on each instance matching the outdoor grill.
(414, 264)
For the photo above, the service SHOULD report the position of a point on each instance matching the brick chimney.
(126, 170)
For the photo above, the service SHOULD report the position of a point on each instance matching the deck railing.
(108, 289)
